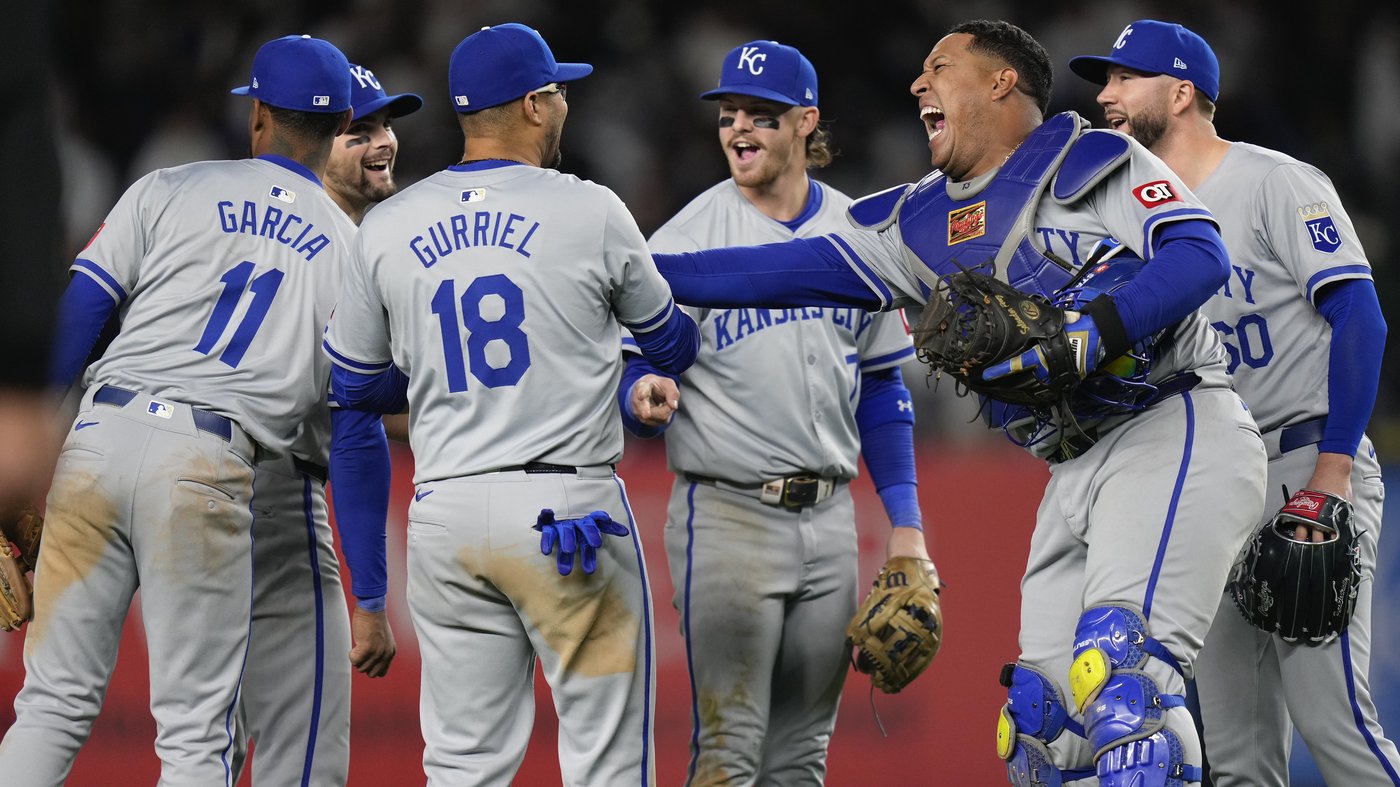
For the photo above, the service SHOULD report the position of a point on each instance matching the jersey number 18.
(507, 313)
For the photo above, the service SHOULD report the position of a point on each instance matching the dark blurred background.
(143, 84)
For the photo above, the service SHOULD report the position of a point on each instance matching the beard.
(1148, 126)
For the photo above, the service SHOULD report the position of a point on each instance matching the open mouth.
(377, 166)
(1116, 122)
(745, 151)
(934, 121)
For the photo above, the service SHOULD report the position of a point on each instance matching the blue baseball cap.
(767, 69)
(367, 96)
(301, 73)
(499, 64)
(1154, 47)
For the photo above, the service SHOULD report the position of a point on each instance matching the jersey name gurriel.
(463, 231)
(734, 325)
(272, 222)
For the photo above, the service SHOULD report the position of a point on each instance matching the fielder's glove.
(898, 629)
(582, 535)
(20, 532)
(1301, 590)
(1005, 344)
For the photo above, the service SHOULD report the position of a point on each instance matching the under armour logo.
(749, 58)
(365, 77)
(905, 404)
(1123, 37)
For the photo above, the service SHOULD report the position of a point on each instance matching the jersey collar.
(294, 166)
(483, 164)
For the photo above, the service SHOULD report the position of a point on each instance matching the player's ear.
(531, 105)
(1182, 97)
(344, 121)
(1004, 81)
(807, 121)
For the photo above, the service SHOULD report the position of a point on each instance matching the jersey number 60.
(508, 312)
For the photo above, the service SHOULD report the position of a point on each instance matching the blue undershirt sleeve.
(673, 345)
(799, 272)
(1189, 264)
(381, 392)
(83, 310)
(1352, 309)
(360, 472)
(885, 419)
(637, 368)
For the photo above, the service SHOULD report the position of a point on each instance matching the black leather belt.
(205, 421)
(1298, 435)
(795, 491)
(540, 467)
(318, 472)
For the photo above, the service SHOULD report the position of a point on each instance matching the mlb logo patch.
(160, 409)
(967, 223)
(1322, 230)
(320, 101)
(473, 195)
(282, 194)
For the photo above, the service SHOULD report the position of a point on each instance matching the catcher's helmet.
(1301, 590)
(1119, 386)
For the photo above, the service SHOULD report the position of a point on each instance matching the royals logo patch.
(1322, 231)
(967, 223)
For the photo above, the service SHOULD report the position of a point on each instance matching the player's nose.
(920, 85)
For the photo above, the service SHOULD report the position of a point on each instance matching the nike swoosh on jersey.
(419, 495)
(84, 424)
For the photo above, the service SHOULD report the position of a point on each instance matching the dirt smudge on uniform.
(79, 525)
(584, 618)
(207, 526)
(718, 740)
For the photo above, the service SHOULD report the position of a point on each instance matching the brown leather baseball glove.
(898, 629)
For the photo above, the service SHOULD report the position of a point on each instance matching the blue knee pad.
(1124, 710)
(1034, 715)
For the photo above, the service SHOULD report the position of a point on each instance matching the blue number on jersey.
(264, 289)
(481, 332)
(1254, 350)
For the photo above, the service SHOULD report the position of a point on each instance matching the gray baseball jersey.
(774, 391)
(501, 292)
(1288, 236)
(224, 272)
(1147, 520)
(772, 394)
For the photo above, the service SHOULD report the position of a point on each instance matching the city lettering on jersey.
(269, 221)
(734, 325)
(470, 230)
(1245, 279)
(1067, 248)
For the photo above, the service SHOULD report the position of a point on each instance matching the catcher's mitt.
(898, 629)
(980, 321)
(1301, 590)
(20, 532)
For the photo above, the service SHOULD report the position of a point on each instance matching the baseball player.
(301, 630)
(1299, 307)
(223, 272)
(777, 405)
(1149, 501)
(491, 297)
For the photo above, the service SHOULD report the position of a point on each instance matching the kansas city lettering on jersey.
(1240, 284)
(734, 325)
(274, 223)
(469, 230)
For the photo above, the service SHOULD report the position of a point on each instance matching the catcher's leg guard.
(1033, 716)
(1124, 710)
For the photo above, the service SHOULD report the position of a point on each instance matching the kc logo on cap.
(1153, 47)
(768, 70)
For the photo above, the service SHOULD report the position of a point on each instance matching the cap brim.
(747, 90)
(241, 91)
(399, 105)
(1094, 68)
(569, 72)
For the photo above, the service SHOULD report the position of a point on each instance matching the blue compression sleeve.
(885, 418)
(799, 272)
(673, 344)
(637, 368)
(82, 312)
(1188, 265)
(384, 392)
(360, 473)
(1352, 309)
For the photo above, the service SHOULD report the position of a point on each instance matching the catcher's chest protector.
(995, 222)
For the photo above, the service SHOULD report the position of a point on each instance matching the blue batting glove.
(583, 536)
(1085, 345)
